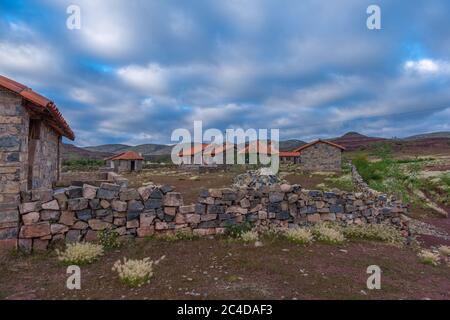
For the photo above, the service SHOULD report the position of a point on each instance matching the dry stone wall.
(79, 213)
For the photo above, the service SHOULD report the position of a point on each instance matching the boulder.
(75, 204)
(120, 206)
(67, 218)
(96, 224)
(129, 194)
(89, 192)
(30, 218)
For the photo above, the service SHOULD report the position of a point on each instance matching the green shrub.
(109, 239)
(83, 164)
(235, 230)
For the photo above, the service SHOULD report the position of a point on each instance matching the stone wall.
(14, 123)
(79, 213)
(321, 157)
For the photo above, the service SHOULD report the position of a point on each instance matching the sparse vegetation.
(236, 230)
(80, 253)
(82, 164)
(444, 251)
(299, 235)
(135, 272)
(429, 257)
(248, 236)
(375, 232)
(327, 234)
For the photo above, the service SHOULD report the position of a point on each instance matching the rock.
(153, 204)
(48, 215)
(173, 199)
(105, 204)
(36, 230)
(73, 236)
(40, 245)
(89, 192)
(108, 191)
(336, 208)
(245, 203)
(43, 195)
(180, 219)
(215, 209)
(30, 218)
(80, 225)
(52, 205)
(74, 192)
(145, 231)
(91, 236)
(161, 225)
(283, 215)
(256, 179)
(146, 219)
(129, 194)
(262, 215)
(285, 188)
(313, 218)
(200, 208)
(67, 218)
(77, 204)
(120, 206)
(166, 189)
(84, 215)
(156, 194)
(208, 217)
(215, 193)
(145, 192)
(60, 196)
(96, 224)
(276, 197)
(171, 211)
(193, 218)
(29, 207)
(25, 245)
(135, 207)
(58, 228)
(187, 209)
(133, 224)
(120, 221)
(94, 204)
(204, 232)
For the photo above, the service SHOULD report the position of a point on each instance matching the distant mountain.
(289, 145)
(432, 135)
(355, 141)
(69, 151)
(145, 149)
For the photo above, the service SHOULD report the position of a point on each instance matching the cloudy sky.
(136, 70)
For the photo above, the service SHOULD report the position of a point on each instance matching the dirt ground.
(220, 269)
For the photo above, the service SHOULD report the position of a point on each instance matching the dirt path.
(218, 269)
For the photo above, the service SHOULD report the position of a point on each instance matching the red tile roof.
(193, 150)
(39, 102)
(319, 141)
(267, 147)
(289, 154)
(129, 155)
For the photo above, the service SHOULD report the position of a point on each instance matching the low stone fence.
(360, 184)
(79, 213)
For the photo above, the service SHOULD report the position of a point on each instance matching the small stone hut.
(125, 162)
(31, 131)
(320, 155)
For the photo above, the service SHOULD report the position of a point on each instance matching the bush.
(327, 234)
(429, 257)
(83, 164)
(135, 273)
(299, 235)
(249, 236)
(109, 239)
(376, 232)
(444, 251)
(236, 230)
(80, 253)
(177, 236)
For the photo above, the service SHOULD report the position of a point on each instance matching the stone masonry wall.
(321, 157)
(46, 161)
(79, 213)
(14, 123)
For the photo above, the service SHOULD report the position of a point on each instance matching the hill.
(432, 135)
(356, 141)
(69, 151)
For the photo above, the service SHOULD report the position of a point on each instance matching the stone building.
(125, 162)
(320, 155)
(31, 130)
